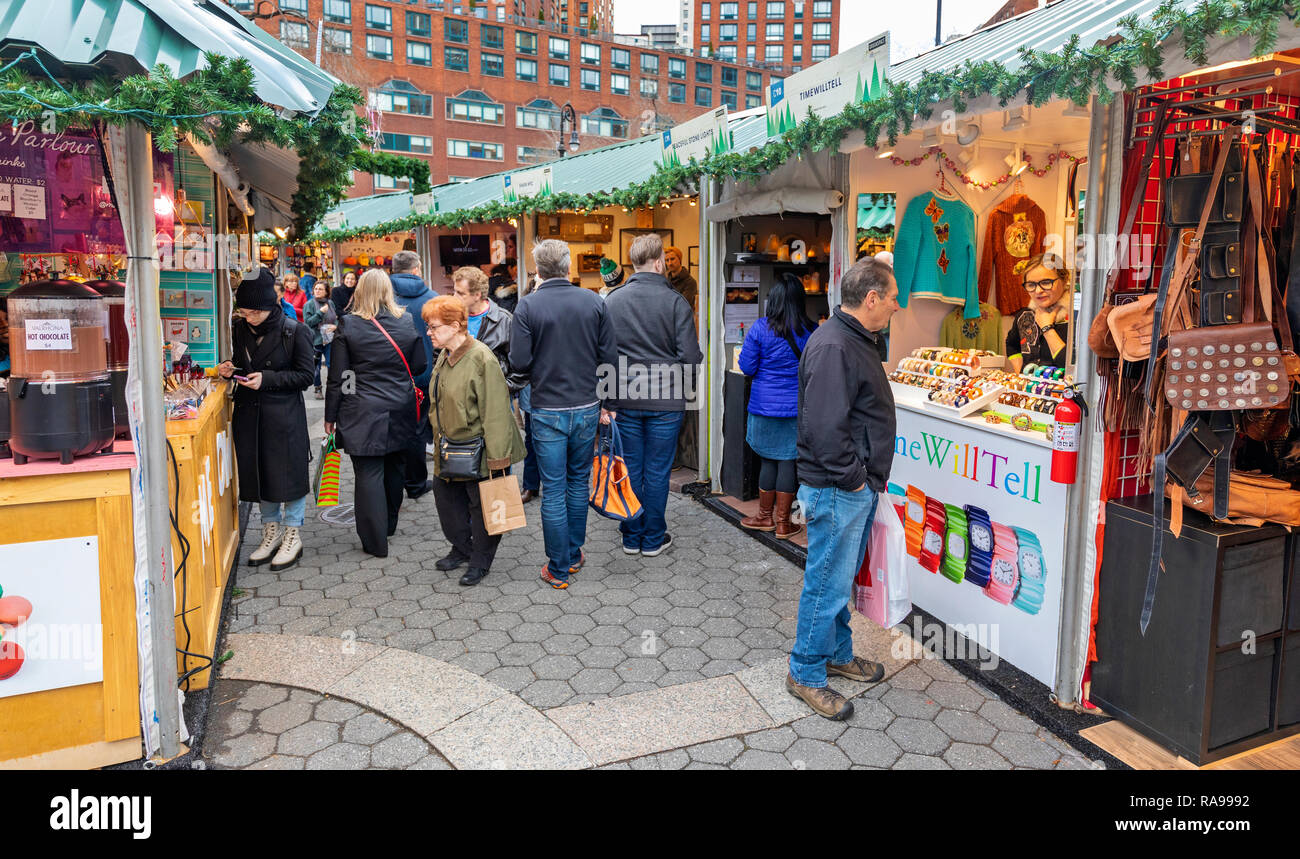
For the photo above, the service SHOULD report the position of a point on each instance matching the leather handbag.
(1251, 497)
(1129, 325)
(457, 460)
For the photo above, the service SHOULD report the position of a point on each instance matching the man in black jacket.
(561, 336)
(659, 353)
(846, 448)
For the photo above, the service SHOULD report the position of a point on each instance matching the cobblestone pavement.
(717, 603)
(257, 726)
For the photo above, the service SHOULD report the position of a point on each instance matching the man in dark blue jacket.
(561, 337)
(846, 448)
(659, 353)
(412, 292)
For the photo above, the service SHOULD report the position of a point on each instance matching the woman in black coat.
(271, 359)
(370, 402)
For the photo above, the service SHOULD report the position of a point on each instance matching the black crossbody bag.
(456, 459)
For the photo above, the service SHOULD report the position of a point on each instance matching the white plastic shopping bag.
(882, 593)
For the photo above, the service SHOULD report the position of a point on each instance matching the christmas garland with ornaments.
(986, 184)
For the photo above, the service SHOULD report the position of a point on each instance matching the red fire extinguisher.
(1065, 438)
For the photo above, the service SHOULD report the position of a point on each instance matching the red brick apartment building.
(789, 34)
(478, 90)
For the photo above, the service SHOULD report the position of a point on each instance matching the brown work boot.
(861, 670)
(785, 529)
(825, 701)
(763, 521)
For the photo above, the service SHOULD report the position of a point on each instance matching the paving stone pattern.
(258, 726)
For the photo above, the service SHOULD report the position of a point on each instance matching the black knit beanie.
(257, 291)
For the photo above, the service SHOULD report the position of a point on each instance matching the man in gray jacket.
(658, 358)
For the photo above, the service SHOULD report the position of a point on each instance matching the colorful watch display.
(980, 560)
(1033, 572)
(953, 566)
(1004, 574)
(932, 537)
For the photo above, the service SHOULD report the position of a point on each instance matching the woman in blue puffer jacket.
(770, 356)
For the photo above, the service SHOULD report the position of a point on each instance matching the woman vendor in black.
(1040, 331)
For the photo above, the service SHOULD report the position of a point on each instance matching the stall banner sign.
(48, 335)
(850, 77)
(422, 204)
(53, 634)
(708, 134)
(526, 183)
(961, 464)
(334, 220)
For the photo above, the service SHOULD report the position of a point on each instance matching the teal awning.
(125, 37)
(375, 209)
(876, 212)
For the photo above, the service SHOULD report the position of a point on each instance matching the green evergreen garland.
(1073, 73)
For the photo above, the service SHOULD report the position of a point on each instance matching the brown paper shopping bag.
(503, 506)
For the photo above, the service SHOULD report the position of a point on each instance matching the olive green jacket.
(470, 398)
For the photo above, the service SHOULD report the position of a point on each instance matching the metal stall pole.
(1101, 218)
(142, 280)
(715, 347)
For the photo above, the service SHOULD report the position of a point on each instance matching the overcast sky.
(910, 22)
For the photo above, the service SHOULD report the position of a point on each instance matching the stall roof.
(128, 37)
(375, 209)
(1045, 29)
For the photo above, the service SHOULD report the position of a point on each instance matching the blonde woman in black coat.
(370, 402)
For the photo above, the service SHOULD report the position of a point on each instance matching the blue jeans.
(532, 477)
(649, 447)
(565, 444)
(294, 512)
(839, 523)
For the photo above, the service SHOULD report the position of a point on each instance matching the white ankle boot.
(272, 534)
(290, 550)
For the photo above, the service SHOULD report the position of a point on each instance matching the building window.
(821, 31)
(774, 54)
(649, 64)
(729, 99)
(798, 8)
(455, 59)
(476, 149)
(338, 11)
(753, 101)
(418, 24)
(703, 96)
(493, 65)
(559, 75)
(337, 41)
(677, 93)
(821, 8)
(590, 54)
(728, 32)
(705, 11)
(798, 31)
(539, 113)
(751, 10)
(676, 68)
(526, 70)
(455, 31)
(419, 53)
(534, 154)
(749, 53)
(294, 34)
(729, 76)
(591, 79)
(475, 106)
(401, 97)
(415, 143)
(620, 58)
(796, 53)
(821, 52)
(751, 32)
(388, 183)
(379, 17)
(379, 47)
(492, 36)
(559, 48)
(703, 73)
(620, 84)
(754, 81)
(649, 88)
(705, 38)
(729, 11)
(775, 32)
(727, 52)
(604, 122)
(501, 13)
(776, 8)
(525, 43)
(298, 7)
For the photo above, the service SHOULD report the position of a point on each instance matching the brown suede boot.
(785, 529)
(824, 701)
(763, 521)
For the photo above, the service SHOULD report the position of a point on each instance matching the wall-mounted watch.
(1033, 572)
(953, 566)
(932, 535)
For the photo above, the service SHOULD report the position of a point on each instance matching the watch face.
(915, 511)
(956, 546)
(1004, 573)
(1030, 565)
(980, 538)
(933, 543)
